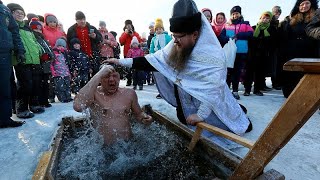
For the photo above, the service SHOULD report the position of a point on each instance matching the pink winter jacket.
(107, 45)
(51, 34)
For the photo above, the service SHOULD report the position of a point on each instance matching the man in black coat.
(89, 37)
(10, 41)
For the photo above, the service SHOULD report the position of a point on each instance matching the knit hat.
(74, 41)
(268, 13)
(61, 42)
(235, 9)
(14, 6)
(158, 24)
(80, 15)
(151, 25)
(102, 23)
(295, 10)
(185, 17)
(134, 40)
(51, 18)
(35, 24)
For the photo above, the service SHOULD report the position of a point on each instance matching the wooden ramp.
(295, 112)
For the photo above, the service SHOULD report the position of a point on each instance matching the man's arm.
(85, 97)
(138, 113)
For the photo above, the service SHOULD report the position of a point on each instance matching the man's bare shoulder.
(127, 91)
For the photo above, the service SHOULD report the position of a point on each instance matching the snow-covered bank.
(20, 148)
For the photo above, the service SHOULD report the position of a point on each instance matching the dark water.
(153, 153)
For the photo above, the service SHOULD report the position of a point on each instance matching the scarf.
(261, 26)
(218, 27)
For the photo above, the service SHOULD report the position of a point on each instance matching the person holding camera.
(90, 39)
(125, 40)
(108, 42)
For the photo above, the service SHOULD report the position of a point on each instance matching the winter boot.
(37, 109)
(25, 114)
(11, 123)
(140, 87)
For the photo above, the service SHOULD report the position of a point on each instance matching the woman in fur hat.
(294, 42)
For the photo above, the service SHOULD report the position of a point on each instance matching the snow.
(21, 148)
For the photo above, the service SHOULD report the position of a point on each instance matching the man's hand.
(93, 35)
(111, 61)
(105, 70)
(21, 59)
(146, 119)
(193, 119)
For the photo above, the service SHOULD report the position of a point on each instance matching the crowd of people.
(186, 66)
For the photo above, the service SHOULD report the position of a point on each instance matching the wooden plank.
(41, 169)
(303, 65)
(195, 138)
(299, 107)
(226, 134)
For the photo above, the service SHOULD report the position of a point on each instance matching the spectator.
(28, 73)
(90, 39)
(108, 42)
(10, 42)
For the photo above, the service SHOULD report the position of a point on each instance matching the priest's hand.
(193, 119)
(111, 61)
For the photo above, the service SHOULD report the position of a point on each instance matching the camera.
(130, 31)
(106, 37)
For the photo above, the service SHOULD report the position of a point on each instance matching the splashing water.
(153, 152)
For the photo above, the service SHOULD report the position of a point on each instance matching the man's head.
(17, 11)
(81, 19)
(276, 11)
(110, 82)
(185, 26)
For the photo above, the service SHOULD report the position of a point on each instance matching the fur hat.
(128, 21)
(134, 40)
(102, 23)
(158, 24)
(51, 18)
(80, 15)
(185, 17)
(35, 24)
(235, 9)
(295, 10)
(14, 6)
(61, 42)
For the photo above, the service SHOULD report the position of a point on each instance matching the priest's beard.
(178, 58)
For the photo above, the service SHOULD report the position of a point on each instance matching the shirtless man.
(110, 106)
